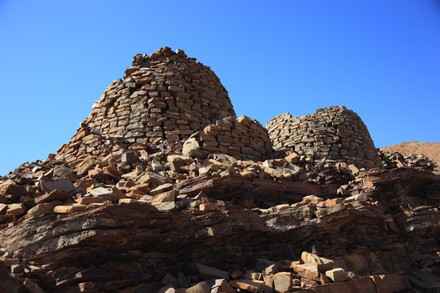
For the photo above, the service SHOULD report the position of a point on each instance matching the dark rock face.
(210, 207)
(389, 227)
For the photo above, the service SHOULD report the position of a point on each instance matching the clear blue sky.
(378, 58)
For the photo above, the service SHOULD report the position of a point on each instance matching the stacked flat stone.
(242, 138)
(333, 133)
(163, 97)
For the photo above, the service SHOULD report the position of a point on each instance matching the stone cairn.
(164, 97)
(332, 133)
(241, 137)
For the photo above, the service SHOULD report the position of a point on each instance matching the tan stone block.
(89, 200)
(323, 264)
(15, 209)
(337, 274)
(168, 196)
(292, 158)
(68, 209)
(222, 286)
(313, 199)
(283, 281)
(253, 286)
(162, 188)
(42, 208)
(208, 206)
(308, 271)
(127, 200)
(54, 195)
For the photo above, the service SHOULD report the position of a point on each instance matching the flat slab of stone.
(68, 209)
(248, 285)
(62, 184)
(337, 274)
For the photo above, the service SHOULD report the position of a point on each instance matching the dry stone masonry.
(242, 138)
(164, 190)
(163, 97)
(333, 133)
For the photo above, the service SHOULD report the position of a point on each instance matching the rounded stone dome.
(334, 133)
(163, 97)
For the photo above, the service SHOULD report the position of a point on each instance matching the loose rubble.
(202, 203)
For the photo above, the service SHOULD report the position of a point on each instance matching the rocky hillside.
(164, 189)
(428, 149)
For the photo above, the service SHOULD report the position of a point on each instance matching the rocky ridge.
(214, 210)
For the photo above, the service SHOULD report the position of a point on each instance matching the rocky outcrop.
(384, 226)
(332, 133)
(215, 210)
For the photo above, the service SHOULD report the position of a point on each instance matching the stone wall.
(333, 133)
(243, 138)
(165, 96)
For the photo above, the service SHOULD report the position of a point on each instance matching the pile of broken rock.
(138, 222)
(205, 205)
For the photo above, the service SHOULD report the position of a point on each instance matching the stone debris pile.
(163, 189)
(392, 160)
(331, 133)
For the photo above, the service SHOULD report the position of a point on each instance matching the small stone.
(89, 200)
(54, 195)
(9, 187)
(162, 188)
(222, 286)
(168, 196)
(283, 281)
(61, 184)
(336, 274)
(272, 269)
(248, 285)
(353, 169)
(208, 207)
(323, 264)
(129, 158)
(313, 199)
(292, 158)
(202, 287)
(322, 212)
(16, 209)
(191, 148)
(61, 171)
(308, 271)
(127, 200)
(68, 209)
(42, 208)
(102, 192)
